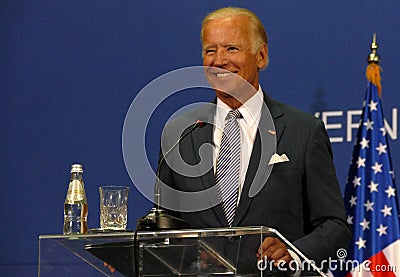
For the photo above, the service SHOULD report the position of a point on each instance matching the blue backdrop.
(69, 71)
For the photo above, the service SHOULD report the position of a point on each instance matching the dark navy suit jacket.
(301, 198)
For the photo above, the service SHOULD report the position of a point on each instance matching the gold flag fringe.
(373, 73)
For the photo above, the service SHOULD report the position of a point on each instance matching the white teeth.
(222, 75)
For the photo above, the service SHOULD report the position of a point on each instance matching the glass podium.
(200, 252)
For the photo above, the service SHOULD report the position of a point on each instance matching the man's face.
(227, 46)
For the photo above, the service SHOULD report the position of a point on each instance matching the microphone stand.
(157, 218)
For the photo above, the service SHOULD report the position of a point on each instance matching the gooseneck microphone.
(157, 218)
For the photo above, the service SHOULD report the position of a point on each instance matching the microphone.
(157, 218)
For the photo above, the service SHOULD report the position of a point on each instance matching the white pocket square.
(278, 159)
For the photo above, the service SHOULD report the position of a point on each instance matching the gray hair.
(258, 35)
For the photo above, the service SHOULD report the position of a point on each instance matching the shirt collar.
(250, 110)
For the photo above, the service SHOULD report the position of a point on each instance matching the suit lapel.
(277, 115)
(245, 201)
(200, 137)
(264, 126)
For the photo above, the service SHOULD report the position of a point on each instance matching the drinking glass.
(113, 207)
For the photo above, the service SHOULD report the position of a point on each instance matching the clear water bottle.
(75, 206)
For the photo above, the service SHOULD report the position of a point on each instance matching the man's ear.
(262, 56)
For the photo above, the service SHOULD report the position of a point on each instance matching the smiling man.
(230, 43)
(301, 198)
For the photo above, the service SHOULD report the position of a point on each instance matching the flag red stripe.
(380, 266)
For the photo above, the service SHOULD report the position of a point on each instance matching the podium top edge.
(229, 231)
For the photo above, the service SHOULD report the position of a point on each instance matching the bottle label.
(75, 191)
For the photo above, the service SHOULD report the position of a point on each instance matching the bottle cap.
(76, 168)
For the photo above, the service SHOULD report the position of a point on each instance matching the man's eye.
(232, 48)
(209, 51)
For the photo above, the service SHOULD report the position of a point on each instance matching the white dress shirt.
(251, 112)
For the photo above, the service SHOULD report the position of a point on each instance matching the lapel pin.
(272, 132)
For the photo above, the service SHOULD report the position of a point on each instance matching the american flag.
(370, 197)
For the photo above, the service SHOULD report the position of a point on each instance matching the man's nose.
(220, 59)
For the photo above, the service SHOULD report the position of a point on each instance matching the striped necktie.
(228, 165)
